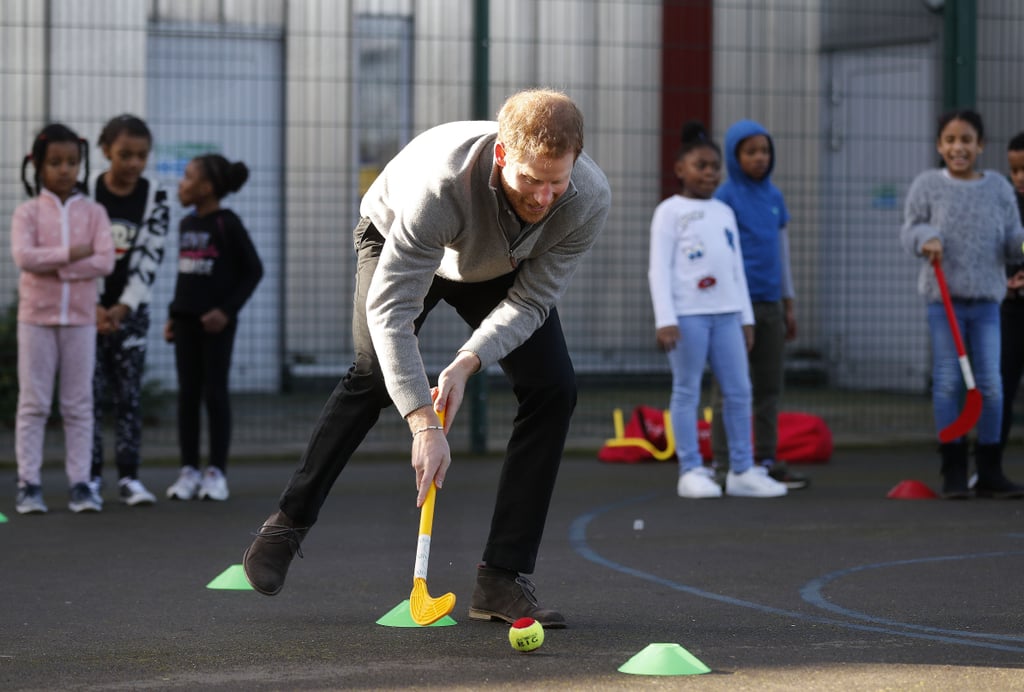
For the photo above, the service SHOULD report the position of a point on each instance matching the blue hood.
(736, 134)
(760, 215)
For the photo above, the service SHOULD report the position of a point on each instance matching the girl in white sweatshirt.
(703, 315)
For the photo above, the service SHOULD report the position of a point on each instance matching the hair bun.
(693, 131)
(237, 174)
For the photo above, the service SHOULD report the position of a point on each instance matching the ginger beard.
(532, 184)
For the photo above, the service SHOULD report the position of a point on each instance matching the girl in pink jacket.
(61, 242)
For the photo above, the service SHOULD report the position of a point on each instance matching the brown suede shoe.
(505, 595)
(266, 560)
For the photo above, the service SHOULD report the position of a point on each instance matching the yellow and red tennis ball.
(526, 634)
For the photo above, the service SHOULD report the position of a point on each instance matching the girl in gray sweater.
(966, 219)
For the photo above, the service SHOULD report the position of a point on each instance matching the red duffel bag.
(803, 439)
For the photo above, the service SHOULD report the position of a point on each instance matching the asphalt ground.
(834, 587)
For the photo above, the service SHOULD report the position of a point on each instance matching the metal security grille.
(315, 95)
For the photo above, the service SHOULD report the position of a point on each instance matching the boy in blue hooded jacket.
(762, 217)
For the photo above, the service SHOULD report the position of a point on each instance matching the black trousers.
(1011, 314)
(203, 362)
(544, 384)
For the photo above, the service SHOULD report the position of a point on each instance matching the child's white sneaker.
(187, 485)
(214, 485)
(697, 484)
(754, 482)
(134, 493)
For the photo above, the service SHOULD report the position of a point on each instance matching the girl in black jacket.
(218, 270)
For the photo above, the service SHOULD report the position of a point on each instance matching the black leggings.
(117, 381)
(203, 362)
(544, 385)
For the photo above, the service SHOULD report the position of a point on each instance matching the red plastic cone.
(911, 490)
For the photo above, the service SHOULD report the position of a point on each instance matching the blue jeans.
(979, 325)
(718, 340)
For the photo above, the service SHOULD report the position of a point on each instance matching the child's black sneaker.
(781, 472)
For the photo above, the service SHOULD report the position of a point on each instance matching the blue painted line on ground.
(812, 593)
(578, 541)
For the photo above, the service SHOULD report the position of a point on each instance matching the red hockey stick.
(972, 404)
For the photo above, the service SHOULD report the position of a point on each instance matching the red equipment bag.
(704, 439)
(646, 423)
(803, 439)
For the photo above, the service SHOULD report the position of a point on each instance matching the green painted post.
(959, 54)
(476, 389)
(481, 60)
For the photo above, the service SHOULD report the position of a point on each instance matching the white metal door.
(208, 90)
(882, 108)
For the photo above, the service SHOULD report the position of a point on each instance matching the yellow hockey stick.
(424, 609)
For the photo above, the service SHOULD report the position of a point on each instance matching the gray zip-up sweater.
(978, 224)
(440, 206)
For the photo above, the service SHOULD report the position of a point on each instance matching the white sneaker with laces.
(214, 485)
(754, 482)
(187, 485)
(697, 484)
(133, 492)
